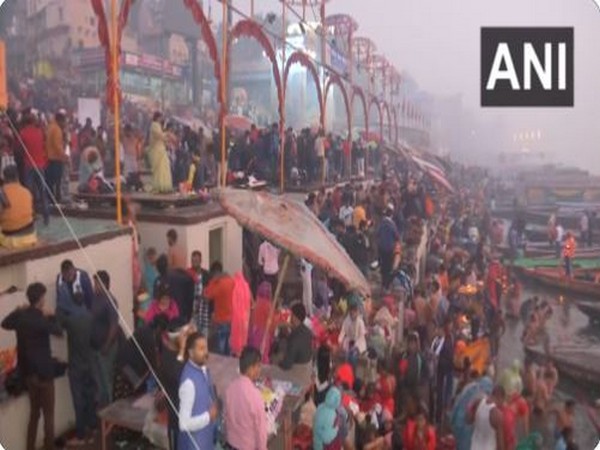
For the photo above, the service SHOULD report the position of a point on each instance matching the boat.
(590, 309)
(581, 284)
(572, 361)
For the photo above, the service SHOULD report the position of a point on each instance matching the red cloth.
(494, 275)
(411, 440)
(345, 374)
(240, 317)
(33, 138)
(510, 438)
(386, 393)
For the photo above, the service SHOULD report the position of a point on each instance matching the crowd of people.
(415, 366)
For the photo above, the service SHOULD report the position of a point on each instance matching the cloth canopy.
(291, 225)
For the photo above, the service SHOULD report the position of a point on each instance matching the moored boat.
(590, 309)
(583, 282)
(574, 362)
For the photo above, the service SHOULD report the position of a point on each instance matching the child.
(162, 304)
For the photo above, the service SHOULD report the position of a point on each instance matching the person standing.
(387, 238)
(172, 360)
(569, 253)
(201, 308)
(104, 337)
(175, 253)
(306, 270)
(244, 408)
(55, 149)
(74, 316)
(488, 422)
(220, 292)
(320, 154)
(443, 350)
(268, 259)
(35, 162)
(160, 165)
(198, 409)
(34, 324)
(584, 227)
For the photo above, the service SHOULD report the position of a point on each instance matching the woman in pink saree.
(258, 322)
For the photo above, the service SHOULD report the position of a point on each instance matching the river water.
(566, 326)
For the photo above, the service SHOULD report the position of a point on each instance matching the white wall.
(195, 237)
(113, 255)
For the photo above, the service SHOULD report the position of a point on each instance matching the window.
(92, 21)
(215, 245)
(60, 14)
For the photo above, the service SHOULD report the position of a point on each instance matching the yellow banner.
(3, 91)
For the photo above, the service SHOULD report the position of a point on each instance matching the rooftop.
(57, 238)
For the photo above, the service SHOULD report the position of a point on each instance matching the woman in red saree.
(259, 319)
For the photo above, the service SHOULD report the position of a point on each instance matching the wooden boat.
(546, 252)
(581, 284)
(575, 362)
(590, 309)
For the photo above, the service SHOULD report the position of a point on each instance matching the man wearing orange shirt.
(220, 292)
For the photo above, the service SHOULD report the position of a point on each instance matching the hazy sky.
(438, 42)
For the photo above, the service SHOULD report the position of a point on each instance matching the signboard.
(337, 60)
(89, 108)
(153, 63)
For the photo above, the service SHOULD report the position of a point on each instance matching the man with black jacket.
(34, 324)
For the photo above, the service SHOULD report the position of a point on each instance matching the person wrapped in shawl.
(461, 430)
(259, 319)
(327, 422)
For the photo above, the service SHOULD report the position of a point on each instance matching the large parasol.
(291, 225)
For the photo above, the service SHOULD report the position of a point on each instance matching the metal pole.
(115, 74)
(282, 124)
(224, 32)
(275, 302)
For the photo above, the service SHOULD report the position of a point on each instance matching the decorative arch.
(385, 106)
(211, 43)
(104, 37)
(378, 105)
(358, 92)
(335, 79)
(251, 29)
(299, 57)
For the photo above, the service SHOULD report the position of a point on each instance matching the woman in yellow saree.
(159, 159)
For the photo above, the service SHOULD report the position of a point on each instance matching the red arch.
(335, 79)
(302, 58)
(385, 106)
(211, 43)
(358, 92)
(376, 103)
(249, 28)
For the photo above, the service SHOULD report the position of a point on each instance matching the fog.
(438, 43)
